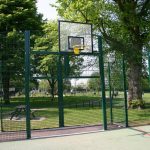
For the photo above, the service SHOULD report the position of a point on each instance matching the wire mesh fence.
(81, 103)
(82, 106)
(46, 112)
(115, 93)
(13, 121)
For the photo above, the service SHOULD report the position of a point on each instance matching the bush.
(136, 104)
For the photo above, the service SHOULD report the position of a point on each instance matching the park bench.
(19, 109)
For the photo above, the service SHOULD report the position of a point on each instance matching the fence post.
(101, 68)
(66, 64)
(1, 109)
(149, 66)
(125, 92)
(110, 96)
(60, 92)
(27, 80)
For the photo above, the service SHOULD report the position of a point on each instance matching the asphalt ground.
(137, 138)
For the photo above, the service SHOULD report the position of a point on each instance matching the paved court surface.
(137, 138)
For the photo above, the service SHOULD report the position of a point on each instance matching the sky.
(45, 8)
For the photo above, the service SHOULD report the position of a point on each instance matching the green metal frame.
(110, 93)
(60, 78)
(1, 109)
(123, 76)
(60, 93)
(101, 68)
(63, 73)
(125, 92)
(149, 66)
(27, 81)
(67, 66)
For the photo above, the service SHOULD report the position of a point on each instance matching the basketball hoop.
(77, 49)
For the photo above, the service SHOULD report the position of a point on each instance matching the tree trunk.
(135, 75)
(134, 85)
(52, 89)
(6, 84)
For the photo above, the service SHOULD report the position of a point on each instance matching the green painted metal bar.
(81, 77)
(44, 52)
(110, 97)
(27, 80)
(101, 68)
(60, 93)
(67, 65)
(1, 102)
(71, 77)
(149, 66)
(125, 92)
(2, 129)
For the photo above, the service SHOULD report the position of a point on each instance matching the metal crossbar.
(46, 52)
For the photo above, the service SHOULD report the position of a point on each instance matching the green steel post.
(27, 80)
(101, 68)
(110, 97)
(60, 93)
(67, 66)
(1, 96)
(1, 116)
(149, 66)
(125, 92)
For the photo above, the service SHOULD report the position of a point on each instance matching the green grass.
(78, 110)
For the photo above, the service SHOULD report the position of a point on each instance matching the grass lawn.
(78, 110)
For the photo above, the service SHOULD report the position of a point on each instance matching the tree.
(67, 85)
(125, 26)
(47, 65)
(9, 58)
(94, 83)
(16, 16)
(48, 68)
(116, 75)
(44, 86)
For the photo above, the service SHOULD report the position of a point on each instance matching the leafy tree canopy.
(125, 26)
(19, 15)
(16, 16)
